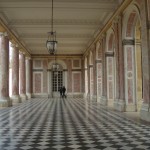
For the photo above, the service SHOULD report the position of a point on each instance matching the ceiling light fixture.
(51, 43)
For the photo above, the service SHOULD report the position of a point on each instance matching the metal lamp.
(51, 43)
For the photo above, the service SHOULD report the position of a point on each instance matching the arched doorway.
(57, 78)
(132, 59)
(57, 81)
(111, 67)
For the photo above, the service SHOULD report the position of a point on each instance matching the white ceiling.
(76, 22)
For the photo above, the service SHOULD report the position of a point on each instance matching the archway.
(57, 78)
(132, 59)
(111, 67)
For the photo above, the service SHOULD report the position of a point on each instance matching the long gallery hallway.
(69, 124)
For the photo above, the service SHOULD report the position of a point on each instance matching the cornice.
(62, 56)
(56, 22)
(42, 35)
(13, 36)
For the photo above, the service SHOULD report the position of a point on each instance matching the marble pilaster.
(103, 100)
(119, 102)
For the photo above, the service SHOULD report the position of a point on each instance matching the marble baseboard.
(29, 95)
(5, 102)
(131, 108)
(15, 99)
(23, 97)
(94, 98)
(119, 105)
(98, 99)
(41, 95)
(103, 101)
(145, 112)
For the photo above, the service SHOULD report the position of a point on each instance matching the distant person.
(63, 91)
(60, 91)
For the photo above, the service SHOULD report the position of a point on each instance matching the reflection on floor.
(69, 124)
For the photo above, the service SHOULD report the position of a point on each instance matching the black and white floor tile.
(69, 124)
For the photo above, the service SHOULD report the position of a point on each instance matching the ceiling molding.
(72, 1)
(59, 44)
(43, 35)
(37, 22)
(4, 17)
(76, 22)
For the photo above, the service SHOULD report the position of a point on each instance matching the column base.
(5, 102)
(85, 95)
(23, 97)
(88, 96)
(29, 95)
(98, 99)
(131, 107)
(103, 101)
(119, 105)
(15, 99)
(94, 98)
(145, 112)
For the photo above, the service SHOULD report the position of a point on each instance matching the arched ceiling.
(76, 22)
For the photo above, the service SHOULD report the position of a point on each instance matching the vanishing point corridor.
(69, 124)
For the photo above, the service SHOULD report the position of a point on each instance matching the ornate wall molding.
(109, 54)
(128, 42)
(98, 61)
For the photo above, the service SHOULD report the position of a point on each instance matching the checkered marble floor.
(69, 124)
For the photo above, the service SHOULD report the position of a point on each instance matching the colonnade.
(117, 62)
(21, 73)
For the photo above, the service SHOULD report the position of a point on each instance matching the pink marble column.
(28, 78)
(15, 74)
(4, 71)
(22, 77)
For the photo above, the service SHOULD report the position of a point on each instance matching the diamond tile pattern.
(69, 124)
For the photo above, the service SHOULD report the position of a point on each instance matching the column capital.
(3, 34)
(103, 35)
(21, 52)
(116, 19)
(13, 43)
(28, 58)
